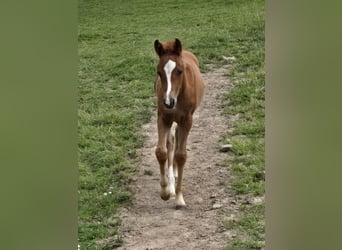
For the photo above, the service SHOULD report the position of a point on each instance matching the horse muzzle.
(170, 103)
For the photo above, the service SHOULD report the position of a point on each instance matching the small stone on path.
(226, 147)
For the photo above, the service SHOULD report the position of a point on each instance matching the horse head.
(170, 70)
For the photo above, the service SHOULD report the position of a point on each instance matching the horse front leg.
(162, 155)
(182, 133)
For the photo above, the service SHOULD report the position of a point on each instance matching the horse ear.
(158, 47)
(178, 46)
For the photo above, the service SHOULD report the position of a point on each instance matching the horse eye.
(179, 71)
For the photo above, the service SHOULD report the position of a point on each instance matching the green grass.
(247, 100)
(116, 74)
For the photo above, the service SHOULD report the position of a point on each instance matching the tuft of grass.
(116, 74)
(251, 227)
(148, 172)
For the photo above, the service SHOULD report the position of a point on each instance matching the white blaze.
(168, 68)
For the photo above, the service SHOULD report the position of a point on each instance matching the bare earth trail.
(152, 223)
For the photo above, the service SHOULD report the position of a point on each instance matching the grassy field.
(116, 73)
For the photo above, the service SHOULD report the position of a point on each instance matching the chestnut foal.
(180, 87)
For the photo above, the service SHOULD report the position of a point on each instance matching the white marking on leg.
(168, 68)
(171, 181)
(176, 172)
(179, 200)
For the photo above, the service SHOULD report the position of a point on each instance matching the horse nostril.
(170, 104)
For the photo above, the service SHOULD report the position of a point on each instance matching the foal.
(180, 87)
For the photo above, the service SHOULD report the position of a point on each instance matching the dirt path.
(152, 223)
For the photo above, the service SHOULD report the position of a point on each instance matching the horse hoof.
(165, 196)
(181, 207)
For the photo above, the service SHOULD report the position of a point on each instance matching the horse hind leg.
(175, 166)
(170, 144)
